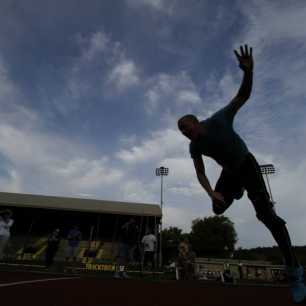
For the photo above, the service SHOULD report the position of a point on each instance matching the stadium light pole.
(268, 169)
(161, 171)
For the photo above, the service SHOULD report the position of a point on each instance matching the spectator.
(52, 247)
(240, 270)
(74, 237)
(6, 223)
(228, 276)
(185, 262)
(149, 246)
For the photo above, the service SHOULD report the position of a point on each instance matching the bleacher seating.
(33, 248)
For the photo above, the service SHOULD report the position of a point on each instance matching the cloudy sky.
(90, 92)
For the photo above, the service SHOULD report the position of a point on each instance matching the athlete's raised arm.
(246, 64)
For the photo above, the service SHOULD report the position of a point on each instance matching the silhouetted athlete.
(216, 138)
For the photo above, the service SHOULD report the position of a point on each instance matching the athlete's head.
(189, 125)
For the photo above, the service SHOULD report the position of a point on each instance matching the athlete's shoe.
(297, 285)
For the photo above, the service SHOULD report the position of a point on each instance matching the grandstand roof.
(77, 204)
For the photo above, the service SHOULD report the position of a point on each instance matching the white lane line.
(36, 281)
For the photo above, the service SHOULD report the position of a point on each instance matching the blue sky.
(90, 93)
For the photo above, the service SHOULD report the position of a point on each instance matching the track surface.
(84, 291)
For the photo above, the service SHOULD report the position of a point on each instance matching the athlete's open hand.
(218, 203)
(245, 58)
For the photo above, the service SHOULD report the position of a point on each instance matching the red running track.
(85, 291)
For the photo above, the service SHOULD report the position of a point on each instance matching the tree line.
(209, 237)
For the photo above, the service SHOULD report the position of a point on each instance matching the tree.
(171, 237)
(213, 236)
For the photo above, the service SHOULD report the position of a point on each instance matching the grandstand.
(35, 216)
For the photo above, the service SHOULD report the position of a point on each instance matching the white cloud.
(179, 217)
(163, 6)
(37, 161)
(101, 69)
(11, 110)
(7, 88)
(128, 140)
(121, 72)
(12, 182)
(124, 75)
(88, 174)
(165, 91)
(160, 144)
(271, 22)
(94, 45)
(188, 96)
(135, 190)
(276, 31)
(36, 164)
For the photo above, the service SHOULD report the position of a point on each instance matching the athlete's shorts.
(249, 178)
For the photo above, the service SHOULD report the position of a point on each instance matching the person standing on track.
(73, 240)
(6, 223)
(52, 247)
(128, 236)
(149, 247)
(216, 138)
